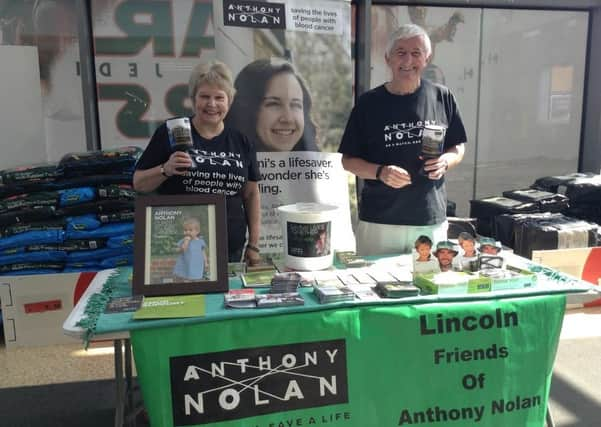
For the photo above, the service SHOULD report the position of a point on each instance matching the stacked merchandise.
(329, 288)
(544, 200)
(583, 191)
(394, 285)
(552, 231)
(74, 215)
(486, 210)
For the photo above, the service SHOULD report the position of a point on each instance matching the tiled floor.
(55, 364)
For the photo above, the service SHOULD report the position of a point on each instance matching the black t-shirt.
(222, 166)
(386, 129)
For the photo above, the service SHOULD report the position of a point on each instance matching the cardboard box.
(446, 283)
(34, 307)
(469, 283)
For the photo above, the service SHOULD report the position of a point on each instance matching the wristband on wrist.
(253, 248)
(163, 171)
(379, 171)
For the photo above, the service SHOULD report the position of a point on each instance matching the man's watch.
(446, 165)
(379, 171)
(163, 171)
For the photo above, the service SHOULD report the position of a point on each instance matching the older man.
(382, 144)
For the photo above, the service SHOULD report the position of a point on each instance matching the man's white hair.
(408, 31)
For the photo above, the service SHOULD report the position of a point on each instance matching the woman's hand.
(178, 164)
(252, 257)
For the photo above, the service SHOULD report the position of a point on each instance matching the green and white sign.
(481, 363)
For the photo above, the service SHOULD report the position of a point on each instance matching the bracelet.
(379, 171)
(163, 171)
(253, 248)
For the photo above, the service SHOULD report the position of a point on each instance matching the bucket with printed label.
(307, 233)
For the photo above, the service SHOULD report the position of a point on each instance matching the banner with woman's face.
(292, 62)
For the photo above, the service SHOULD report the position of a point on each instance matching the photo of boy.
(423, 246)
(192, 262)
(469, 257)
(467, 242)
(423, 261)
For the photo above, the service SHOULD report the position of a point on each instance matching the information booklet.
(240, 298)
(396, 290)
(351, 260)
(279, 300)
(171, 307)
(123, 304)
(236, 268)
(258, 279)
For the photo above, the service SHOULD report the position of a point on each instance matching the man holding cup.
(382, 144)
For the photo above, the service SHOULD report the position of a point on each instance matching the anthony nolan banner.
(293, 76)
(144, 52)
(486, 363)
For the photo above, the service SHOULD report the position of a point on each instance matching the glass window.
(144, 52)
(530, 98)
(41, 103)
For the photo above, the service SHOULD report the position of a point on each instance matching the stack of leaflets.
(351, 260)
(396, 290)
(279, 300)
(332, 290)
(285, 282)
(240, 298)
(258, 279)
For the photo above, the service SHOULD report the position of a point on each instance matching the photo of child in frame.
(192, 263)
(180, 244)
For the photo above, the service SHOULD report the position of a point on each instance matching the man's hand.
(436, 168)
(395, 177)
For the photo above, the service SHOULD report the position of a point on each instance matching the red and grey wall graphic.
(254, 14)
(242, 383)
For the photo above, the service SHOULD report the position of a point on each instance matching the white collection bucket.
(307, 233)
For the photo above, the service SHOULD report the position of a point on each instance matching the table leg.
(119, 383)
(129, 386)
(549, 417)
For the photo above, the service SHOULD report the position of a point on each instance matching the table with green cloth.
(483, 359)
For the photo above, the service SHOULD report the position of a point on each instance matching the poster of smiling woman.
(292, 63)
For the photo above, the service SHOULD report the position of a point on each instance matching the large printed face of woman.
(211, 104)
(281, 119)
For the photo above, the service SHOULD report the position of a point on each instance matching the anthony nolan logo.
(242, 383)
(253, 14)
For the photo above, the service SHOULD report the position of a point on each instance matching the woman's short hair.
(213, 73)
(408, 31)
(251, 85)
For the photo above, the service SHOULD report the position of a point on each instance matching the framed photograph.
(180, 245)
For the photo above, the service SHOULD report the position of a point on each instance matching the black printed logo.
(255, 14)
(242, 383)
